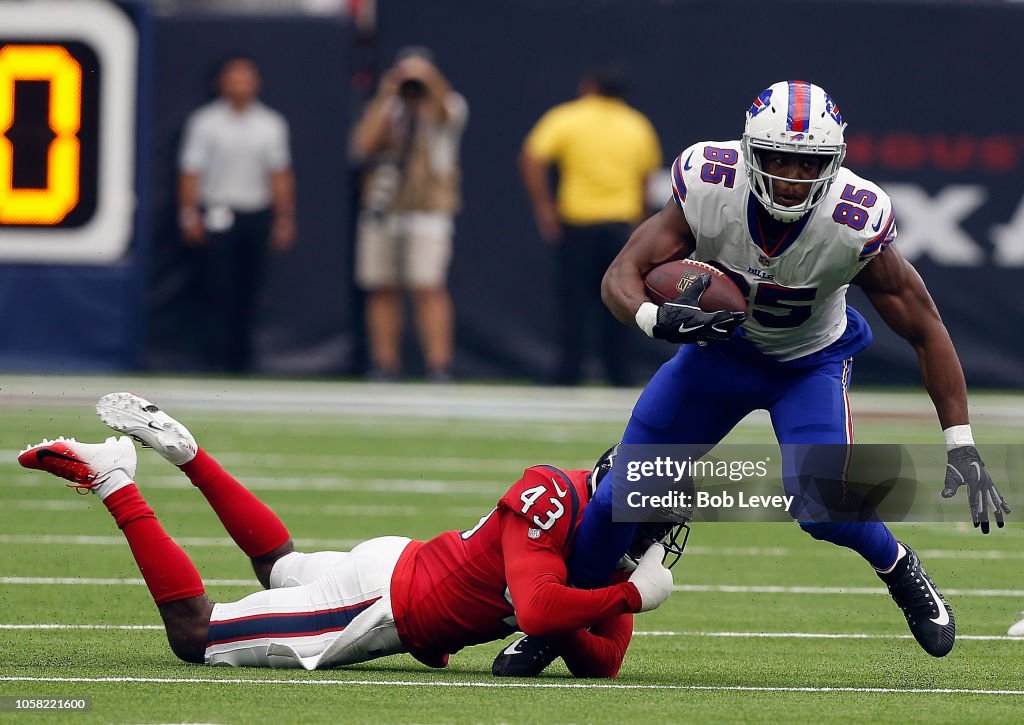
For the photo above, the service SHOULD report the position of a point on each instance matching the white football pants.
(324, 609)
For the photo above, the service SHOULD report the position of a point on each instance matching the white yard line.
(113, 582)
(513, 685)
(342, 463)
(354, 400)
(197, 541)
(351, 400)
(344, 510)
(43, 627)
(640, 633)
(816, 635)
(431, 487)
(412, 511)
(728, 589)
(695, 588)
(813, 550)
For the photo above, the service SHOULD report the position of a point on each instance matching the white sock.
(901, 551)
(115, 481)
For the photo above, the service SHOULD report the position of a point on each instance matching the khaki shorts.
(410, 250)
(324, 609)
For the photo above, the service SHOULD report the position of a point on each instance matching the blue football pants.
(696, 398)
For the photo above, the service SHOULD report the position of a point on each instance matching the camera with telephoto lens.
(412, 89)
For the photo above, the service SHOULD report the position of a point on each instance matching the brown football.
(667, 281)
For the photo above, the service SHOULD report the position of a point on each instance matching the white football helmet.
(793, 117)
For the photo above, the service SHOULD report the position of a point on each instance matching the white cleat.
(1017, 630)
(135, 416)
(98, 467)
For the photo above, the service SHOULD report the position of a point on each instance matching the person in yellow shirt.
(604, 151)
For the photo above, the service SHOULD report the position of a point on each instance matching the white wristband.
(647, 318)
(957, 436)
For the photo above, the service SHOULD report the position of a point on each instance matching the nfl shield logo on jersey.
(533, 533)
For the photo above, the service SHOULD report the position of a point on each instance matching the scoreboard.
(67, 132)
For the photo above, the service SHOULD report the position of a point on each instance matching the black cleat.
(526, 657)
(930, 618)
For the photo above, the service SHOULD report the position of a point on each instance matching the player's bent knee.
(187, 623)
(264, 565)
(188, 646)
(822, 531)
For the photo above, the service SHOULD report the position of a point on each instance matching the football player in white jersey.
(778, 213)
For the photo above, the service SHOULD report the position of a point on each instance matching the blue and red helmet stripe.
(798, 115)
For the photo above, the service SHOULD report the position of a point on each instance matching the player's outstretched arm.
(899, 294)
(661, 238)
(535, 572)
(897, 291)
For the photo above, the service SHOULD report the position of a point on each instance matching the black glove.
(682, 320)
(965, 467)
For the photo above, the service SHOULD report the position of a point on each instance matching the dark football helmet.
(670, 527)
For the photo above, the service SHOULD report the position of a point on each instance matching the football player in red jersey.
(388, 595)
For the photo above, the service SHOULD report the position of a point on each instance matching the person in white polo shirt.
(236, 196)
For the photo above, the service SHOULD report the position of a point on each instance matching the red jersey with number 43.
(466, 587)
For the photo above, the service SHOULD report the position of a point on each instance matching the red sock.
(254, 527)
(169, 573)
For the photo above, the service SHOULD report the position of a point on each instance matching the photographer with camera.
(408, 141)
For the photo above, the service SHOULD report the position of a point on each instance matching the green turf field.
(767, 625)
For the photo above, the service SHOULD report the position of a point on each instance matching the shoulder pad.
(548, 499)
(866, 212)
(722, 159)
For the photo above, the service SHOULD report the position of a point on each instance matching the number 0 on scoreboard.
(47, 134)
(67, 128)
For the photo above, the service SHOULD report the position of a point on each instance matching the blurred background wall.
(927, 87)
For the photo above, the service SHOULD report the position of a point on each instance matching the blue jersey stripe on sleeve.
(883, 240)
(678, 185)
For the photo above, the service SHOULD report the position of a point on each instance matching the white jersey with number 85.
(795, 285)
